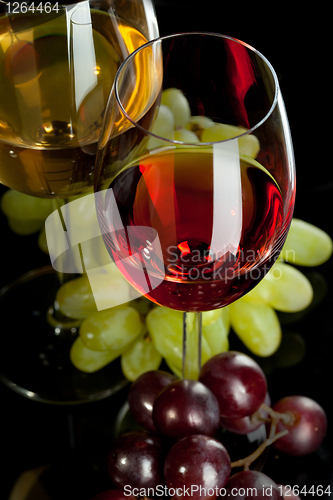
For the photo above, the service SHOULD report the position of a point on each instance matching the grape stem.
(247, 461)
(287, 418)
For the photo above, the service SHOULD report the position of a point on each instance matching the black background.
(73, 440)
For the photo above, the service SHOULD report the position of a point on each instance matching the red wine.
(191, 232)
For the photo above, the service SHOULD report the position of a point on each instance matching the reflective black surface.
(72, 441)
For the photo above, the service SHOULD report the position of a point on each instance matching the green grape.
(154, 142)
(216, 333)
(24, 227)
(89, 361)
(20, 206)
(140, 357)
(306, 244)
(257, 325)
(291, 290)
(75, 298)
(177, 102)
(80, 214)
(142, 305)
(198, 124)
(181, 135)
(248, 144)
(176, 371)
(211, 316)
(113, 329)
(261, 293)
(109, 287)
(164, 122)
(82, 211)
(165, 327)
(176, 363)
(92, 251)
(184, 135)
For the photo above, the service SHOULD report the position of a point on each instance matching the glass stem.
(192, 336)
(57, 205)
(54, 317)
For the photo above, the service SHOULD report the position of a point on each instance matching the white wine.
(55, 80)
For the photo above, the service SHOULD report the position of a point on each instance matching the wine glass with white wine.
(57, 65)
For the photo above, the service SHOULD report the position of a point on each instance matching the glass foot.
(34, 355)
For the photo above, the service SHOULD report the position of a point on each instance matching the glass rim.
(191, 33)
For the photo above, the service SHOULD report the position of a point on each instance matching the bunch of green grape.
(143, 334)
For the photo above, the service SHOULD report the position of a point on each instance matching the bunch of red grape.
(177, 454)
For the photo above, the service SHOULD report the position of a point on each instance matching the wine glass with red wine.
(58, 61)
(194, 208)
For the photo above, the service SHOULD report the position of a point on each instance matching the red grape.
(112, 495)
(237, 381)
(142, 395)
(306, 431)
(186, 407)
(250, 484)
(136, 459)
(247, 424)
(199, 463)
